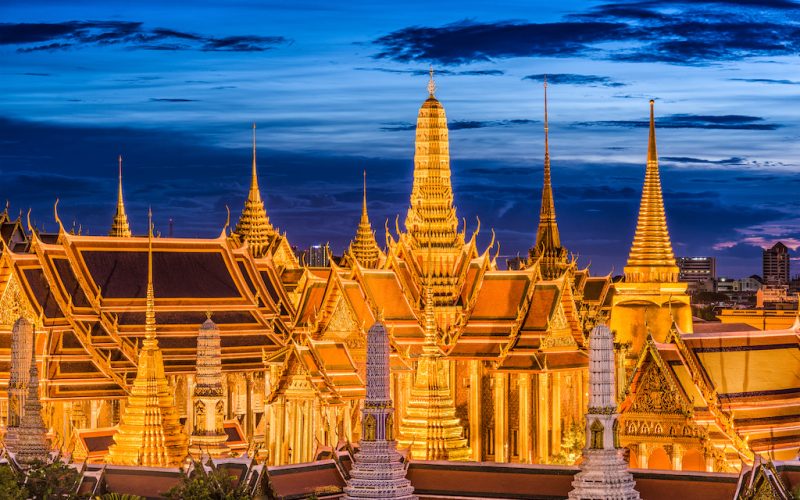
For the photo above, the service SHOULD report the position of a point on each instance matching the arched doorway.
(659, 459)
(693, 460)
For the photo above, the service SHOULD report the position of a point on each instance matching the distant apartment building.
(726, 285)
(317, 256)
(698, 272)
(776, 265)
(750, 284)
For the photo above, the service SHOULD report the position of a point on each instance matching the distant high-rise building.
(696, 269)
(318, 256)
(776, 265)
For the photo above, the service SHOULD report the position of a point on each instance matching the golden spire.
(150, 433)
(254, 225)
(364, 248)
(150, 301)
(651, 258)
(120, 227)
(548, 242)
(431, 217)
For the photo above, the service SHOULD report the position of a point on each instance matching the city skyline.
(336, 90)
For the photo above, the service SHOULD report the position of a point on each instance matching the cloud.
(720, 122)
(30, 37)
(460, 124)
(765, 80)
(734, 160)
(171, 99)
(439, 72)
(575, 79)
(683, 33)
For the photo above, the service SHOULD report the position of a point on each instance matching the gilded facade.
(486, 364)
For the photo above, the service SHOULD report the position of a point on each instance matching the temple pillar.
(542, 417)
(676, 457)
(94, 412)
(555, 407)
(347, 422)
(644, 454)
(501, 449)
(248, 416)
(524, 436)
(475, 409)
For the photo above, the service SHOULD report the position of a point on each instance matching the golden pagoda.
(150, 432)
(120, 227)
(651, 298)
(364, 249)
(552, 257)
(430, 428)
(254, 226)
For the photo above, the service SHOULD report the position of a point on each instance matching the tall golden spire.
(120, 227)
(150, 432)
(431, 217)
(364, 248)
(548, 250)
(254, 225)
(651, 258)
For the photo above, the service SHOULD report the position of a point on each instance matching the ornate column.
(524, 418)
(501, 451)
(555, 407)
(542, 418)
(475, 409)
(249, 427)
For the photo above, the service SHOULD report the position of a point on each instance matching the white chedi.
(378, 471)
(604, 473)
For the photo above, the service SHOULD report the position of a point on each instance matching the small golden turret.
(150, 432)
(364, 248)
(651, 259)
(254, 226)
(120, 227)
(548, 251)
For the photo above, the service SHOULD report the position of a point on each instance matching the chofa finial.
(431, 83)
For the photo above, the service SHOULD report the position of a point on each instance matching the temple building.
(242, 351)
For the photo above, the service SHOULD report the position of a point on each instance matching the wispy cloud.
(439, 72)
(575, 79)
(683, 33)
(765, 80)
(30, 37)
(719, 122)
(171, 99)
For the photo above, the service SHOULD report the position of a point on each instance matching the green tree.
(572, 443)
(118, 496)
(10, 486)
(202, 485)
(51, 481)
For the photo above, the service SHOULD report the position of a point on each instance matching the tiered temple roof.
(364, 249)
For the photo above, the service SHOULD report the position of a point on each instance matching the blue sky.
(335, 89)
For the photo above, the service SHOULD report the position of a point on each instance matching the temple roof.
(364, 249)
(744, 382)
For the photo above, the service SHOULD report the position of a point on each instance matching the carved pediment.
(14, 304)
(655, 394)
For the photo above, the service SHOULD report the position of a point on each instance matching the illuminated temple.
(241, 350)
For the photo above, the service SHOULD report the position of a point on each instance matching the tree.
(50, 481)
(572, 444)
(10, 486)
(214, 485)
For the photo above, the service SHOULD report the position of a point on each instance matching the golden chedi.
(150, 432)
(651, 298)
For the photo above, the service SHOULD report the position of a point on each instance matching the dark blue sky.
(336, 88)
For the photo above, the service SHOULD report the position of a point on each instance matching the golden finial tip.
(652, 102)
(431, 83)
